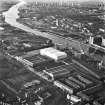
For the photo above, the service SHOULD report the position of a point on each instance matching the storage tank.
(91, 40)
(53, 53)
(103, 42)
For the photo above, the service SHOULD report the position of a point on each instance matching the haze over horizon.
(53, 1)
(2, 2)
(67, 0)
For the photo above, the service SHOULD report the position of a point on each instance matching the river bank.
(12, 15)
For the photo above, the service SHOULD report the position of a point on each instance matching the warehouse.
(38, 61)
(53, 53)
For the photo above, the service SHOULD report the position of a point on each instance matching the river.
(12, 15)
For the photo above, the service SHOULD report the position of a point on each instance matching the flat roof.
(37, 59)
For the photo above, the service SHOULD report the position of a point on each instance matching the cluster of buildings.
(51, 74)
(55, 67)
(65, 24)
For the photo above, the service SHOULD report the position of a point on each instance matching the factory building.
(53, 53)
(98, 45)
(98, 41)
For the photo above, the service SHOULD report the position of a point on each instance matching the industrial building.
(53, 53)
(47, 57)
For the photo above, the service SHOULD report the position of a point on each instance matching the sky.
(65, 0)
(56, 0)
